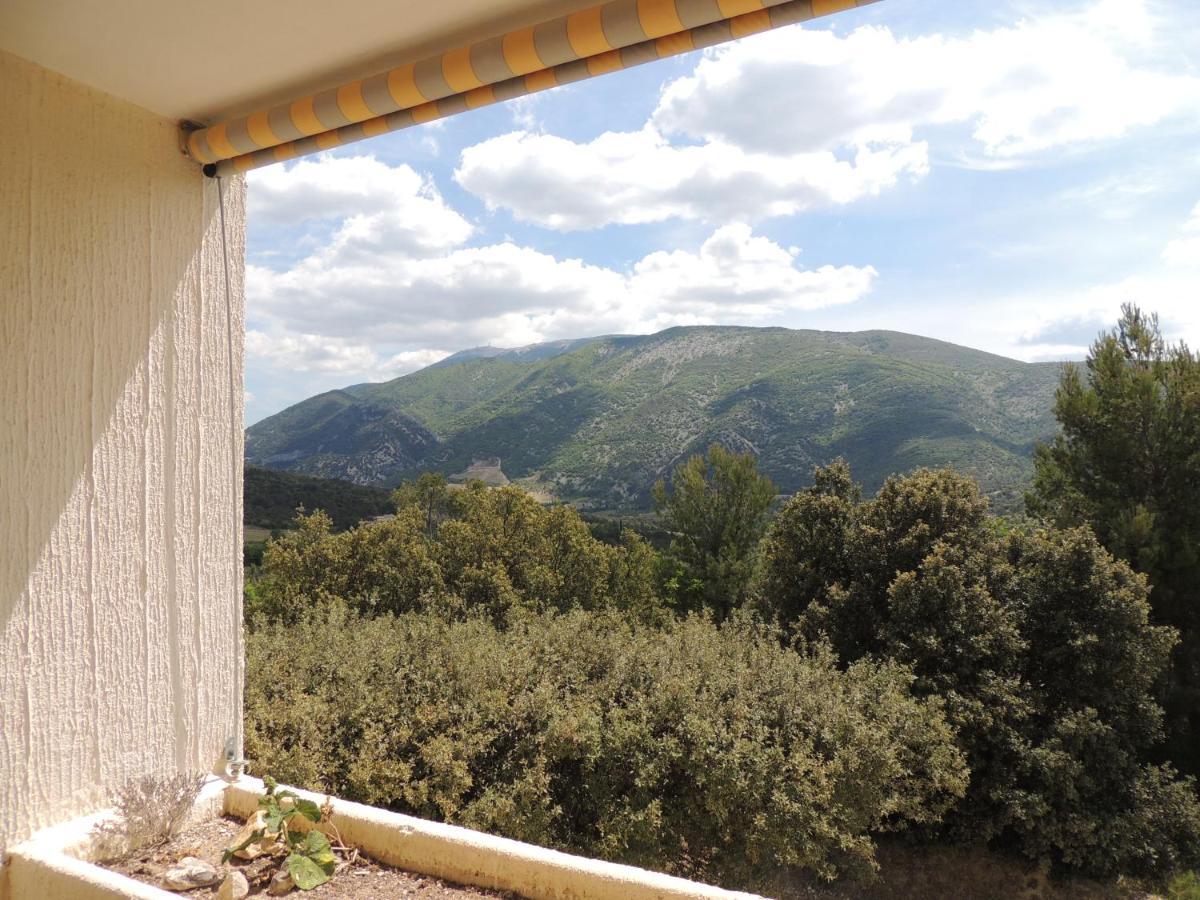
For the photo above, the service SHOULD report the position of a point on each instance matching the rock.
(234, 887)
(281, 883)
(190, 873)
(253, 824)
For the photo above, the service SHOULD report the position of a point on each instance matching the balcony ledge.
(54, 862)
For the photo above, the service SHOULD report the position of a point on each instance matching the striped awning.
(605, 38)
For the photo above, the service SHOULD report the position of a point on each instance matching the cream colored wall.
(120, 477)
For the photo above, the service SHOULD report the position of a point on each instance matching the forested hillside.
(597, 422)
(271, 499)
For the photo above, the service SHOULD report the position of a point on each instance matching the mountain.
(528, 353)
(597, 421)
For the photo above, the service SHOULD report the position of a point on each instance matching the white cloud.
(636, 177)
(309, 352)
(359, 287)
(1052, 325)
(1038, 324)
(523, 110)
(738, 277)
(392, 201)
(301, 352)
(1185, 251)
(1040, 84)
(371, 302)
(514, 295)
(797, 118)
(1095, 309)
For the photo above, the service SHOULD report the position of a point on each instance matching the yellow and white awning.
(604, 38)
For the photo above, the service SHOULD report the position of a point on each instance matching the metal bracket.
(186, 127)
(235, 767)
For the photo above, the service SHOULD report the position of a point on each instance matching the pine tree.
(1127, 463)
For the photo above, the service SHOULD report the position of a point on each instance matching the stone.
(253, 824)
(190, 873)
(281, 883)
(234, 887)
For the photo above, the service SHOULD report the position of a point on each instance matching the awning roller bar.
(605, 38)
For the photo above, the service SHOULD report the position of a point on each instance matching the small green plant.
(309, 858)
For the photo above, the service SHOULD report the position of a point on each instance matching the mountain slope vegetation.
(598, 421)
(271, 499)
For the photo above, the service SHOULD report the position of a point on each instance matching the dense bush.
(1038, 642)
(705, 750)
(490, 550)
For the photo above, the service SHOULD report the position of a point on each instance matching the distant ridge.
(528, 353)
(596, 421)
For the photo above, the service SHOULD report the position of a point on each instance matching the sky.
(1002, 175)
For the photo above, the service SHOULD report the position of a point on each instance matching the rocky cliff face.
(362, 442)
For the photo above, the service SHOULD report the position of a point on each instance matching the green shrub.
(1038, 641)
(709, 751)
(504, 550)
(376, 567)
(487, 550)
(252, 553)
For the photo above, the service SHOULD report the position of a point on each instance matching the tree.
(828, 548)
(716, 507)
(481, 550)
(806, 547)
(1038, 642)
(504, 549)
(431, 495)
(1127, 464)
(378, 567)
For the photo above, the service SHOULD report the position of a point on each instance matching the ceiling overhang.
(225, 58)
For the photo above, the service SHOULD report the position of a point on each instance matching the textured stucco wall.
(120, 475)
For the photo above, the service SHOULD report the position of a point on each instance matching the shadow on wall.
(119, 584)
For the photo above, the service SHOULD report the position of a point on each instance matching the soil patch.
(905, 872)
(362, 879)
